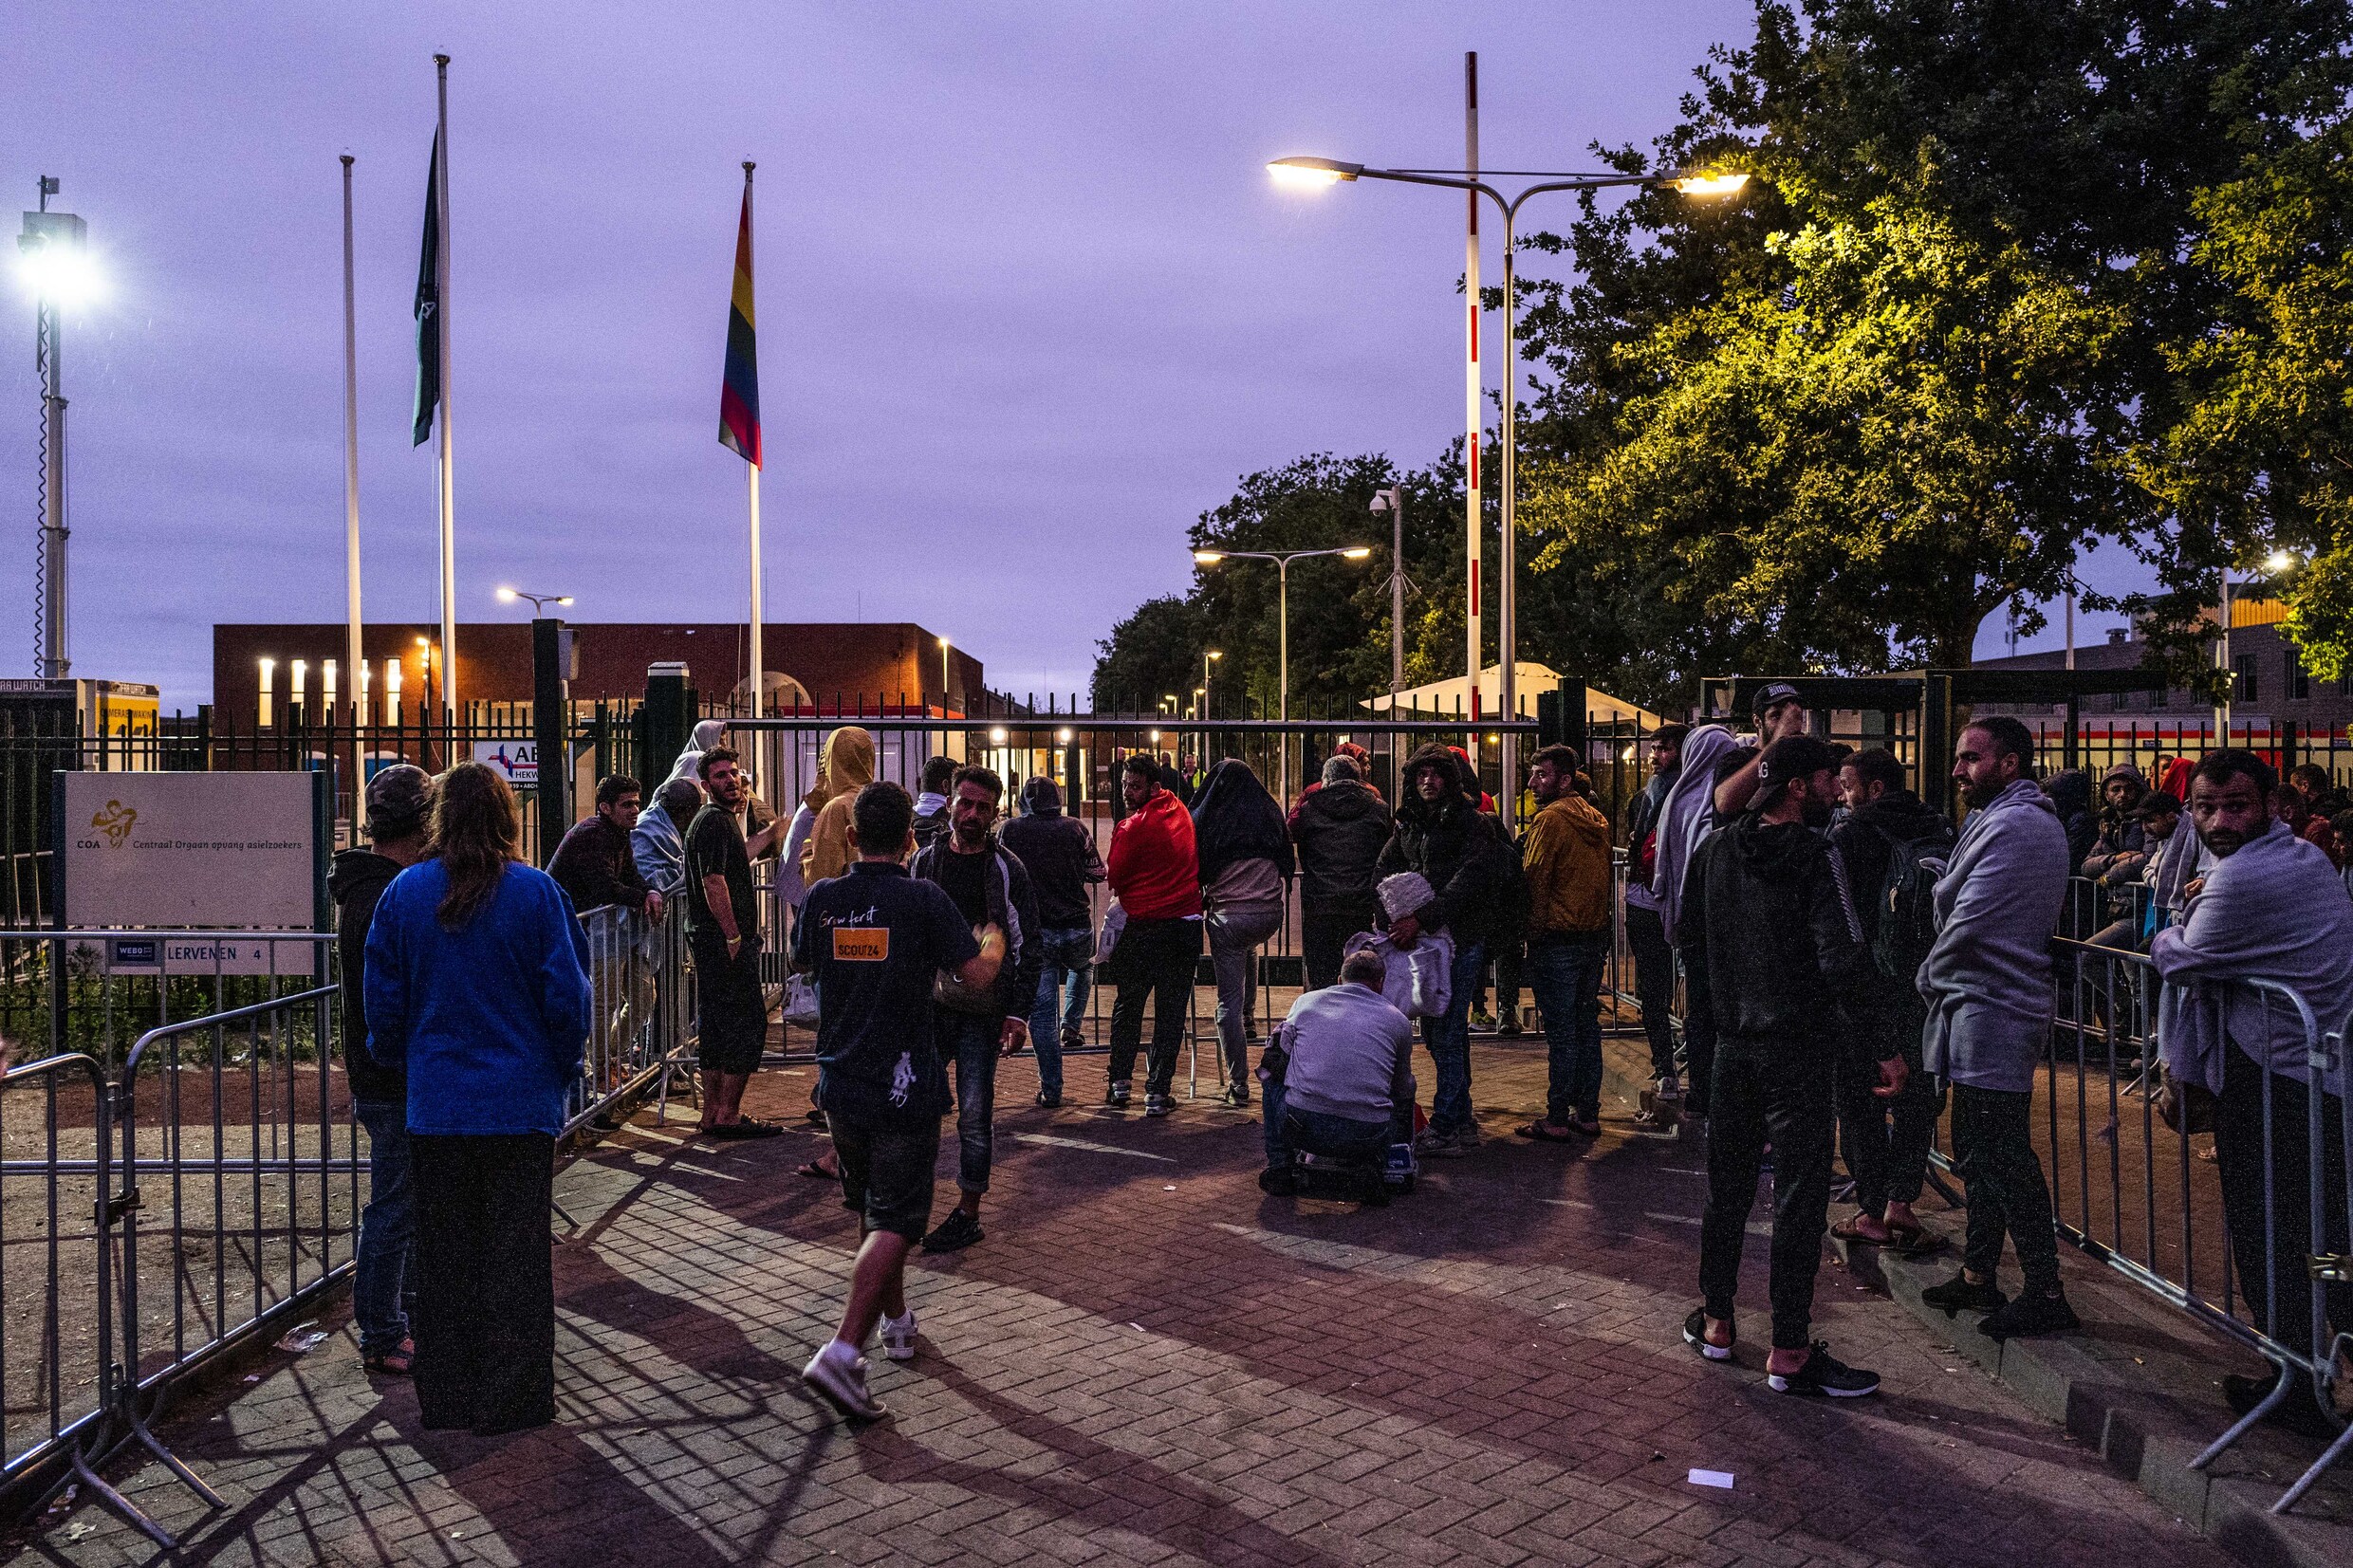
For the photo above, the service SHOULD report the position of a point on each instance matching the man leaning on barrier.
(2272, 909)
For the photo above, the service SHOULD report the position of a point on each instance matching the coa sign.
(205, 850)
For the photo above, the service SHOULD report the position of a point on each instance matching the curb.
(2103, 1401)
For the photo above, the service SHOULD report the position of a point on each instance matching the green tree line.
(2009, 280)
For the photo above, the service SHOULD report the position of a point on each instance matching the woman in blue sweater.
(477, 986)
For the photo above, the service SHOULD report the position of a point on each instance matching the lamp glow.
(2278, 561)
(62, 274)
(996, 737)
(1311, 173)
(1359, 553)
(1208, 557)
(1061, 737)
(507, 595)
(1709, 185)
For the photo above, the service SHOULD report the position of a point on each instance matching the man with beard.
(1468, 862)
(723, 933)
(2273, 909)
(990, 886)
(1769, 919)
(1886, 1140)
(1987, 983)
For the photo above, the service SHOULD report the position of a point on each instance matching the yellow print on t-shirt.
(862, 943)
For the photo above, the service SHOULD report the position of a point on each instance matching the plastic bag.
(801, 1001)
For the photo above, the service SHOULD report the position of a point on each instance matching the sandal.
(1847, 1230)
(749, 1127)
(1914, 1241)
(820, 1168)
(1542, 1133)
(396, 1362)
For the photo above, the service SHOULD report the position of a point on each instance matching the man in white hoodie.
(1988, 985)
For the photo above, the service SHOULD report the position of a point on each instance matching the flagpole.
(355, 660)
(441, 320)
(758, 674)
(1471, 519)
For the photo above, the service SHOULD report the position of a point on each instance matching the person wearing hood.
(2273, 909)
(1246, 868)
(658, 843)
(1063, 863)
(1686, 817)
(1988, 985)
(990, 887)
(1340, 826)
(1769, 918)
(2118, 825)
(1469, 863)
(400, 800)
(707, 733)
(1156, 877)
(931, 802)
(846, 766)
(1564, 856)
(1885, 1140)
(1646, 936)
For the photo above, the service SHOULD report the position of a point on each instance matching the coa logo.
(115, 822)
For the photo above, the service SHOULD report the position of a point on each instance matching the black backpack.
(1907, 907)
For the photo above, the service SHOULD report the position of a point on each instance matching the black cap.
(397, 799)
(1773, 692)
(2157, 803)
(1794, 757)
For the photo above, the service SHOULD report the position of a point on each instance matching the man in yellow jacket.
(1564, 856)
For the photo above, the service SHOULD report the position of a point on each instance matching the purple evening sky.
(1027, 302)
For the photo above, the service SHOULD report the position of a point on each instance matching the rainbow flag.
(740, 387)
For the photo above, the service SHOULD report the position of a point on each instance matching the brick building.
(893, 662)
(2268, 684)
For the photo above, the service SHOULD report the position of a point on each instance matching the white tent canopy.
(1453, 697)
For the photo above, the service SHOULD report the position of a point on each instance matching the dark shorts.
(731, 1009)
(887, 1175)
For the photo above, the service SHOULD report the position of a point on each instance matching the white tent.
(1454, 697)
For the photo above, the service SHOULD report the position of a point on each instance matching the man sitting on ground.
(1348, 1090)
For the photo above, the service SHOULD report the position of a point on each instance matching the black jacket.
(1058, 853)
(354, 881)
(595, 867)
(1013, 907)
(1341, 830)
(1769, 927)
(1865, 842)
(1460, 849)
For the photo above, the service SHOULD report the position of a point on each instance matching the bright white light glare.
(1359, 553)
(1292, 176)
(996, 737)
(62, 274)
(1710, 185)
(1208, 557)
(1061, 737)
(507, 596)
(2278, 561)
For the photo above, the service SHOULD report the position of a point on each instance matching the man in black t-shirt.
(723, 933)
(875, 938)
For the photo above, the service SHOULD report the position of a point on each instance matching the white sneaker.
(898, 1337)
(838, 1372)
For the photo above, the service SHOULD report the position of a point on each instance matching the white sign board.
(517, 760)
(208, 850)
(169, 954)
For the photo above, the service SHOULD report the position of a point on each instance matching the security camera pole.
(52, 243)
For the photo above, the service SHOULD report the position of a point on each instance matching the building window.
(2299, 684)
(2243, 686)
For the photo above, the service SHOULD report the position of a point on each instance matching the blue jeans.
(1065, 977)
(1448, 1040)
(387, 1230)
(970, 1040)
(1345, 1137)
(1564, 972)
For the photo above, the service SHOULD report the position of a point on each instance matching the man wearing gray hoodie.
(1986, 981)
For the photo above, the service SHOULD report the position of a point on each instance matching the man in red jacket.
(1156, 877)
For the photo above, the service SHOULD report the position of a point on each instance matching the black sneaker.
(2031, 1315)
(1048, 1099)
(1824, 1375)
(1116, 1097)
(1958, 1294)
(1235, 1095)
(1695, 1335)
(956, 1232)
(1282, 1184)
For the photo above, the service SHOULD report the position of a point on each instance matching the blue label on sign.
(127, 951)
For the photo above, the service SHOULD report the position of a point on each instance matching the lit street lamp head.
(54, 260)
(2278, 561)
(1208, 557)
(1709, 185)
(1311, 173)
(1358, 552)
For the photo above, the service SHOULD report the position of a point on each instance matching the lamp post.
(1207, 655)
(57, 271)
(1282, 560)
(1318, 172)
(539, 601)
(2273, 565)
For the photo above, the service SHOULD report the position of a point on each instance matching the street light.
(539, 601)
(1207, 655)
(2273, 565)
(1282, 560)
(1319, 173)
(54, 263)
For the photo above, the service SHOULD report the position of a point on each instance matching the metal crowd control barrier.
(643, 1014)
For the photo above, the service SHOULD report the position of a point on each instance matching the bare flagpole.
(1471, 519)
(354, 659)
(441, 318)
(758, 676)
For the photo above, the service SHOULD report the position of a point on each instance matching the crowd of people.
(1849, 963)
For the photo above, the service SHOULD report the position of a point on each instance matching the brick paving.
(1149, 1361)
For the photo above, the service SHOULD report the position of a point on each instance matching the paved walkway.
(1149, 1361)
